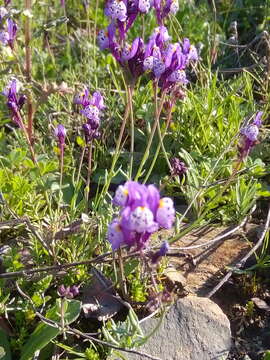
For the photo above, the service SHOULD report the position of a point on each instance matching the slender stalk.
(130, 93)
(116, 153)
(80, 166)
(89, 171)
(158, 110)
(26, 133)
(169, 117)
(63, 301)
(28, 68)
(61, 167)
(123, 283)
(212, 201)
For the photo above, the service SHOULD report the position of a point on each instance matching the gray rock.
(194, 328)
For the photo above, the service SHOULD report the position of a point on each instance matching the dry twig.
(242, 262)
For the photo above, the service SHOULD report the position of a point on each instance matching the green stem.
(130, 93)
(212, 201)
(28, 69)
(80, 166)
(89, 172)
(161, 136)
(116, 154)
(158, 110)
(61, 167)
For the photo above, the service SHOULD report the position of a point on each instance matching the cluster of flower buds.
(142, 213)
(164, 8)
(61, 133)
(166, 61)
(92, 107)
(68, 292)
(8, 28)
(178, 167)
(161, 252)
(249, 136)
(15, 101)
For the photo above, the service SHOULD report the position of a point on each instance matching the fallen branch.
(242, 262)
(101, 258)
(218, 238)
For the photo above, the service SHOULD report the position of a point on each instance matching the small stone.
(194, 328)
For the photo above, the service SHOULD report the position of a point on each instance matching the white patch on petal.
(166, 212)
(91, 112)
(121, 195)
(141, 219)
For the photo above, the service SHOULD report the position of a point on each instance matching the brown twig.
(242, 262)
(220, 237)
(101, 342)
(101, 258)
(68, 329)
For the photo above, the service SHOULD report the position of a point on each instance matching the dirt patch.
(202, 266)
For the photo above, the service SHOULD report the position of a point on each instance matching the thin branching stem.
(28, 68)
(89, 173)
(130, 93)
(168, 121)
(158, 109)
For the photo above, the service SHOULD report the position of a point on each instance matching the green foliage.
(44, 333)
(203, 132)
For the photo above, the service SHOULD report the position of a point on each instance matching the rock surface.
(194, 328)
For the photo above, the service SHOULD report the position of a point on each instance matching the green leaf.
(5, 353)
(44, 333)
(267, 355)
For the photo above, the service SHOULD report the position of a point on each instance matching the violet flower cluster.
(61, 133)
(142, 213)
(8, 28)
(249, 136)
(165, 60)
(178, 167)
(15, 101)
(68, 292)
(164, 248)
(92, 109)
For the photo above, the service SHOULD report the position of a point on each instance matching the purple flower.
(189, 51)
(115, 234)
(164, 8)
(61, 133)
(91, 106)
(68, 292)
(165, 247)
(258, 119)
(166, 61)
(144, 5)
(142, 213)
(15, 101)
(62, 3)
(249, 136)
(82, 99)
(7, 37)
(91, 112)
(178, 167)
(90, 133)
(116, 10)
(3, 13)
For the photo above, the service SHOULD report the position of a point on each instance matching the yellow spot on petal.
(161, 203)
